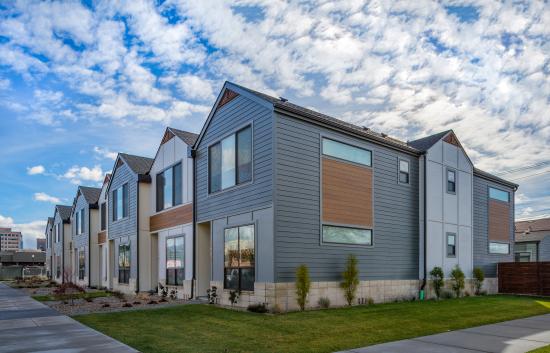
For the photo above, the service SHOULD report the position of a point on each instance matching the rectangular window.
(175, 260)
(82, 222)
(169, 187)
(239, 258)
(230, 160)
(403, 171)
(103, 216)
(120, 202)
(77, 222)
(499, 248)
(526, 252)
(81, 265)
(451, 181)
(124, 263)
(57, 233)
(346, 152)
(498, 194)
(451, 244)
(58, 266)
(347, 235)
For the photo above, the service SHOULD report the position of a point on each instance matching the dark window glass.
(160, 191)
(125, 200)
(169, 187)
(177, 194)
(403, 172)
(215, 167)
(239, 258)
(175, 261)
(115, 204)
(81, 264)
(244, 155)
(451, 181)
(451, 244)
(124, 263)
(76, 222)
(103, 216)
(82, 223)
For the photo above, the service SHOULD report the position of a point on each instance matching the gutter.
(424, 280)
(193, 154)
(137, 235)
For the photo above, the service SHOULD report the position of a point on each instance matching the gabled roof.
(90, 194)
(188, 137)
(64, 212)
(139, 165)
(535, 225)
(425, 143)
(492, 177)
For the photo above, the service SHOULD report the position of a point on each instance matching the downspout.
(137, 235)
(89, 246)
(194, 225)
(424, 280)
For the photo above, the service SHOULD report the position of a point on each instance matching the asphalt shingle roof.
(90, 194)
(536, 225)
(425, 143)
(140, 165)
(188, 137)
(64, 211)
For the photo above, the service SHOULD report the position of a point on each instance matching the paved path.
(29, 326)
(513, 336)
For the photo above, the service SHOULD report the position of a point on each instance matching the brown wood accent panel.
(167, 136)
(451, 138)
(531, 278)
(347, 193)
(102, 237)
(171, 218)
(227, 97)
(499, 221)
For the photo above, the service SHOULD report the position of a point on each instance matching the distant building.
(22, 257)
(41, 244)
(10, 240)
(532, 241)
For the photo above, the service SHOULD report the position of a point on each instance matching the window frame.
(81, 264)
(489, 187)
(399, 159)
(498, 253)
(103, 216)
(234, 133)
(239, 268)
(127, 254)
(125, 205)
(447, 170)
(162, 171)
(455, 247)
(332, 243)
(348, 144)
(177, 269)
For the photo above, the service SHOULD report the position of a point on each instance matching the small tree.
(303, 283)
(351, 279)
(479, 277)
(436, 275)
(457, 277)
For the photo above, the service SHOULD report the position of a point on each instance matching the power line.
(529, 176)
(536, 165)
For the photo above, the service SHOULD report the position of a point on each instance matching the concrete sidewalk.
(29, 326)
(520, 335)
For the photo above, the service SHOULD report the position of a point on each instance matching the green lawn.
(96, 294)
(541, 350)
(204, 328)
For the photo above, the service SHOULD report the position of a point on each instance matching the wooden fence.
(531, 278)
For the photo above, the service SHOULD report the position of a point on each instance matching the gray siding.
(297, 210)
(236, 114)
(482, 258)
(81, 240)
(544, 249)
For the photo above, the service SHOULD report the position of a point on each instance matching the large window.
(499, 248)
(58, 266)
(175, 260)
(230, 160)
(57, 234)
(124, 263)
(404, 172)
(81, 265)
(79, 224)
(169, 190)
(120, 202)
(498, 194)
(347, 235)
(103, 216)
(346, 152)
(451, 181)
(451, 244)
(526, 252)
(239, 258)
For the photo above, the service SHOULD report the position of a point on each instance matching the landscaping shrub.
(303, 284)
(136, 302)
(152, 302)
(276, 309)
(350, 279)
(323, 302)
(106, 305)
(370, 301)
(233, 297)
(212, 294)
(68, 290)
(173, 294)
(126, 305)
(257, 308)
(89, 299)
(446, 294)
(118, 295)
(457, 278)
(479, 277)
(436, 275)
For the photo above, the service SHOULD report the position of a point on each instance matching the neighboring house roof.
(64, 212)
(425, 143)
(139, 165)
(188, 137)
(536, 225)
(90, 194)
(530, 237)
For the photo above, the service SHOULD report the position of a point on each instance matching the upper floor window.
(498, 194)
(347, 235)
(499, 248)
(404, 171)
(169, 187)
(120, 202)
(79, 223)
(103, 216)
(57, 233)
(451, 181)
(347, 152)
(230, 160)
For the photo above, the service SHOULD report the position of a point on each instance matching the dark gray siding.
(297, 210)
(482, 258)
(230, 117)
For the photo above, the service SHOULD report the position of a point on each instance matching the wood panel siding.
(168, 135)
(347, 193)
(101, 237)
(499, 221)
(171, 218)
(227, 97)
(451, 138)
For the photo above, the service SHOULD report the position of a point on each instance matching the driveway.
(520, 335)
(29, 326)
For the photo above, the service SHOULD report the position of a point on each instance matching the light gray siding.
(80, 241)
(482, 258)
(258, 194)
(544, 249)
(297, 210)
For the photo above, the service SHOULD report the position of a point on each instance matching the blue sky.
(82, 81)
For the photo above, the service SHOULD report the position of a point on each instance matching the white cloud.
(105, 153)
(4, 84)
(37, 169)
(77, 174)
(41, 196)
(30, 230)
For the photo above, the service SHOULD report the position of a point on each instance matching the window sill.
(171, 208)
(231, 188)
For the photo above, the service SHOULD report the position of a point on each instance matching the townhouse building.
(105, 254)
(48, 233)
(532, 240)
(84, 228)
(61, 249)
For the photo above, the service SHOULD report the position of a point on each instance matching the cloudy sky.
(82, 81)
